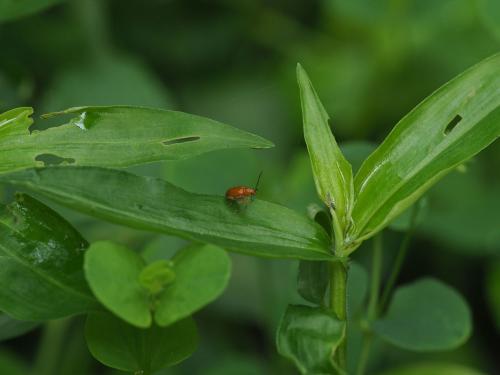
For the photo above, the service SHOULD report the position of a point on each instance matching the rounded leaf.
(201, 275)
(122, 346)
(112, 272)
(426, 315)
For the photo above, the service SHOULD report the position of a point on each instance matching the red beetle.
(242, 194)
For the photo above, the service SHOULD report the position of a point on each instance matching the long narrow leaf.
(114, 137)
(449, 127)
(261, 228)
(332, 172)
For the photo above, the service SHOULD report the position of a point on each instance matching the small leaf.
(432, 368)
(116, 137)
(10, 327)
(312, 281)
(41, 257)
(261, 229)
(426, 315)
(332, 172)
(201, 275)
(450, 126)
(127, 348)
(309, 337)
(112, 272)
(157, 276)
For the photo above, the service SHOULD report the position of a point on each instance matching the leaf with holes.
(426, 315)
(141, 351)
(114, 137)
(262, 228)
(41, 258)
(449, 127)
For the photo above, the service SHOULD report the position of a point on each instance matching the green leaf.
(312, 281)
(309, 337)
(41, 257)
(201, 275)
(10, 327)
(432, 368)
(449, 127)
(262, 228)
(112, 272)
(157, 275)
(116, 275)
(127, 348)
(426, 315)
(117, 136)
(11, 9)
(332, 172)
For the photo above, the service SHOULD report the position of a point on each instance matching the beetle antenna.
(258, 181)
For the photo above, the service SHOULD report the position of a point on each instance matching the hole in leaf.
(51, 159)
(181, 140)
(451, 125)
(50, 122)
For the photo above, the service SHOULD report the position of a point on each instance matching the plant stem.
(375, 276)
(372, 303)
(403, 249)
(50, 347)
(338, 288)
(338, 304)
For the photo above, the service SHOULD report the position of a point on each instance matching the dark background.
(234, 61)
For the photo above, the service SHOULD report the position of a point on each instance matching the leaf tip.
(301, 73)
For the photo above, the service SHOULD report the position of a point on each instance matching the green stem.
(375, 276)
(338, 304)
(400, 257)
(50, 348)
(372, 303)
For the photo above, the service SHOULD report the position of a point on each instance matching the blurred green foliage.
(234, 61)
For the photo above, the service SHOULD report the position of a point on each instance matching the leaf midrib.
(420, 166)
(131, 215)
